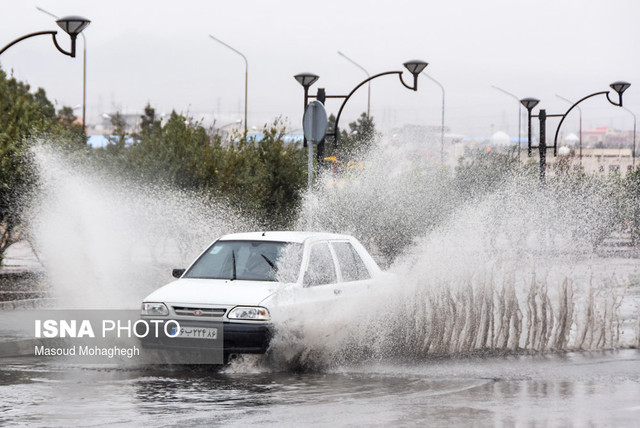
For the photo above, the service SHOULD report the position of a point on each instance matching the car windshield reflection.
(249, 261)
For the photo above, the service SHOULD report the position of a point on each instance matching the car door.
(312, 299)
(354, 278)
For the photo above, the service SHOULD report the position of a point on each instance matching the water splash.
(510, 270)
(106, 242)
(515, 269)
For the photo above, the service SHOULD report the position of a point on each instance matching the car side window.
(351, 265)
(321, 268)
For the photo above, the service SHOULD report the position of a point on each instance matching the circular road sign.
(314, 122)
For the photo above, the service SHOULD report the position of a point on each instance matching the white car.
(238, 282)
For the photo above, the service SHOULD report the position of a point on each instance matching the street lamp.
(84, 69)
(307, 79)
(369, 84)
(580, 113)
(529, 103)
(619, 87)
(519, 114)
(442, 125)
(72, 25)
(246, 77)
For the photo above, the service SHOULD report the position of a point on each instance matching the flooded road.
(574, 389)
(513, 272)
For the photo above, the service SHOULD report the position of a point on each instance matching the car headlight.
(154, 309)
(254, 313)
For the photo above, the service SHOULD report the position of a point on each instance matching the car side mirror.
(177, 273)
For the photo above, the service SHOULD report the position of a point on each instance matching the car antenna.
(264, 233)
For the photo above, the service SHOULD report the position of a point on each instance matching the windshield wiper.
(233, 259)
(266, 259)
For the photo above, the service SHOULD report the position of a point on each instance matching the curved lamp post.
(246, 77)
(368, 85)
(414, 67)
(519, 114)
(84, 69)
(619, 87)
(72, 25)
(529, 103)
(307, 79)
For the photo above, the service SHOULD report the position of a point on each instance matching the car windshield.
(249, 261)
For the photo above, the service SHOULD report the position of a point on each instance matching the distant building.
(606, 137)
(600, 161)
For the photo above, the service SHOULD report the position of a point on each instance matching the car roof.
(282, 236)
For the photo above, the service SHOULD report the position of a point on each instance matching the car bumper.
(237, 338)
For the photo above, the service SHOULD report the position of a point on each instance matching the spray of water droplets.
(508, 270)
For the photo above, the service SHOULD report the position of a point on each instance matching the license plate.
(198, 332)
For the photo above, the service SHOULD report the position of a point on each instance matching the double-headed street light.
(72, 25)
(307, 79)
(530, 103)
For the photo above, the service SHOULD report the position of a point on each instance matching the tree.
(352, 144)
(68, 131)
(22, 115)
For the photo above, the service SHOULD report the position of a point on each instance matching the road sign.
(314, 122)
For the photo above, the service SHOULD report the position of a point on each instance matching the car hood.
(213, 292)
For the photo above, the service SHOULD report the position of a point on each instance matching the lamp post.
(580, 113)
(442, 124)
(519, 114)
(414, 67)
(72, 25)
(84, 70)
(633, 151)
(529, 103)
(369, 84)
(246, 77)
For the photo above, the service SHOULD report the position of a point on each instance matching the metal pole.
(542, 145)
(246, 77)
(633, 151)
(368, 75)
(84, 71)
(580, 113)
(304, 109)
(529, 132)
(84, 82)
(336, 131)
(309, 166)
(442, 124)
(519, 116)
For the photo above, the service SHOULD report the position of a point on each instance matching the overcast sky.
(159, 52)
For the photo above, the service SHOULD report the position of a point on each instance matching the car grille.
(199, 312)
